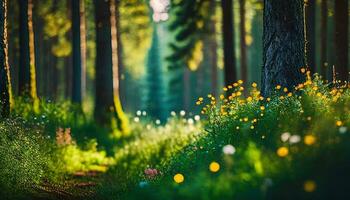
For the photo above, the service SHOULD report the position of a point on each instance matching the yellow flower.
(225, 89)
(214, 167)
(303, 70)
(222, 97)
(254, 85)
(285, 89)
(240, 81)
(339, 123)
(309, 186)
(262, 107)
(278, 87)
(282, 151)
(249, 99)
(252, 127)
(290, 94)
(245, 119)
(179, 178)
(309, 139)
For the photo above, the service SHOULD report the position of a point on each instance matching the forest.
(174, 99)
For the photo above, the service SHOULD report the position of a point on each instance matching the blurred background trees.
(154, 55)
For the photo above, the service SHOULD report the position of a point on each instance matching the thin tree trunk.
(5, 83)
(323, 31)
(228, 41)
(77, 77)
(187, 88)
(243, 46)
(27, 76)
(107, 102)
(213, 49)
(341, 39)
(283, 44)
(310, 13)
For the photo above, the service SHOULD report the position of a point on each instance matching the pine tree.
(154, 79)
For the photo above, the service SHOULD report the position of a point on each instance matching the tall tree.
(228, 42)
(27, 76)
(5, 83)
(310, 13)
(323, 32)
(107, 103)
(283, 44)
(154, 79)
(341, 40)
(243, 45)
(78, 36)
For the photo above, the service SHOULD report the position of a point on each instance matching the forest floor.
(293, 145)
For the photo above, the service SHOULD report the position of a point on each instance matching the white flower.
(136, 119)
(144, 113)
(182, 113)
(197, 117)
(343, 129)
(229, 149)
(157, 121)
(138, 113)
(294, 139)
(285, 136)
(190, 121)
(173, 113)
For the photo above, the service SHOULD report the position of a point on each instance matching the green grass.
(288, 146)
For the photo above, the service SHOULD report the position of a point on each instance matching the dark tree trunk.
(323, 31)
(283, 44)
(341, 39)
(311, 34)
(213, 50)
(27, 76)
(5, 85)
(228, 42)
(78, 53)
(243, 46)
(107, 103)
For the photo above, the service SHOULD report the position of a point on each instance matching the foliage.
(292, 145)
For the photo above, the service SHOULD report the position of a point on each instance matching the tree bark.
(283, 44)
(323, 31)
(243, 46)
(78, 29)
(107, 103)
(228, 42)
(311, 34)
(5, 83)
(27, 76)
(341, 39)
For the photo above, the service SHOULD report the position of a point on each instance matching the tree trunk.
(341, 39)
(213, 49)
(283, 44)
(107, 103)
(243, 46)
(323, 31)
(5, 84)
(311, 34)
(78, 28)
(27, 76)
(228, 42)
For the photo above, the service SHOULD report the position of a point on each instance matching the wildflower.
(157, 121)
(197, 117)
(339, 123)
(254, 85)
(252, 127)
(182, 113)
(214, 167)
(151, 173)
(138, 113)
(136, 119)
(240, 82)
(224, 89)
(282, 151)
(179, 178)
(245, 119)
(249, 99)
(343, 129)
(303, 70)
(290, 94)
(262, 107)
(222, 96)
(309, 140)
(285, 136)
(278, 87)
(294, 139)
(285, 89)
(229, 149)
(309, 186)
